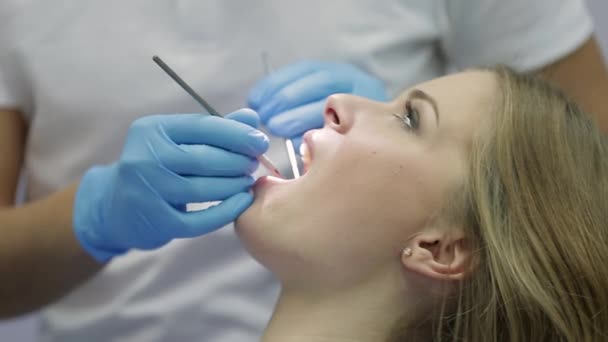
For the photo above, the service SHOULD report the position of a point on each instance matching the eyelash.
(410, 117)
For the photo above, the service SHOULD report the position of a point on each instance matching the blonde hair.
(536, 210)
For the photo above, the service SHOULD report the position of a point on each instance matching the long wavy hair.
(535, 210)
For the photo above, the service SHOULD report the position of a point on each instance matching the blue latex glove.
(167, 162)
(291, 100)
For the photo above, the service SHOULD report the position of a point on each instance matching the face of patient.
(378, 174)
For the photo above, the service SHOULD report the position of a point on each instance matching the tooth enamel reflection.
(305, 153)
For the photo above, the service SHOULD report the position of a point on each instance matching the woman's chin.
(262, 227)
(272, 193)
(268, 192)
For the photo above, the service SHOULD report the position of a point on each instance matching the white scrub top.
(81, 72)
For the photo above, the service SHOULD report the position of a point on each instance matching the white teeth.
(303, 149)
(305, 153)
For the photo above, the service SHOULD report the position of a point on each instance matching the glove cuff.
(87, 220)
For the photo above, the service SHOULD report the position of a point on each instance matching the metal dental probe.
(263, 159)
(291, 152)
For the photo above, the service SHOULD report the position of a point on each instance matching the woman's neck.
(361, 315)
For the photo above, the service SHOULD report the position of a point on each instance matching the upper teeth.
(305, 153)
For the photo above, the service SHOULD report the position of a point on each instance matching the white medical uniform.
(81, 72)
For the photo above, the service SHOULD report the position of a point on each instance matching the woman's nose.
(340, 111)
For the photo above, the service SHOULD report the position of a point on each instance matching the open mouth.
(306, 156)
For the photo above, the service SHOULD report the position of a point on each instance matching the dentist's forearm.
(40, 258)
(583, 75)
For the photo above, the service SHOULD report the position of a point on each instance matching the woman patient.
(472, 208)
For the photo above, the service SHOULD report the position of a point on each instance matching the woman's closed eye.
(410, 117)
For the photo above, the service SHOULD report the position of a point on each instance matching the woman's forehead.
(474, 84)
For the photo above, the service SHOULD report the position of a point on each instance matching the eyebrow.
(419, 94)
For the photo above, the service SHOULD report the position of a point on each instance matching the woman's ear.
(438, 254)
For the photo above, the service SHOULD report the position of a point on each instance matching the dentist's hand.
(290, 101)
(167, 162)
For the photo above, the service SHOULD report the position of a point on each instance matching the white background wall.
(23, 330)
